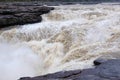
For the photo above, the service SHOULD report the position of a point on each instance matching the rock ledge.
(108, 70)
(13, 14)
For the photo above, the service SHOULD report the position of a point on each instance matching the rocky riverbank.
(71, 37)
(20, 13)
(106, 70)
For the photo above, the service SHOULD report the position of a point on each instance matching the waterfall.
(69, 37)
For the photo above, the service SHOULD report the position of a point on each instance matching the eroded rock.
(11, 14)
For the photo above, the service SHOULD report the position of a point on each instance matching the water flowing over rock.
(70, 37)
(11, 14)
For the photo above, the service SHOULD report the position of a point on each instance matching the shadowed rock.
(11, 14)
(99, 61)
(59, 75)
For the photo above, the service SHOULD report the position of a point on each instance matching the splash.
(70, 37)
(16, 61)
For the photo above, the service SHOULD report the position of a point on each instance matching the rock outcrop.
(19, 14)
(99, 61)
(108, 70)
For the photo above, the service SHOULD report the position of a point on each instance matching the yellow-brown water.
(68, 38)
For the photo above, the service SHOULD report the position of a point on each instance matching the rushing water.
(68, 38)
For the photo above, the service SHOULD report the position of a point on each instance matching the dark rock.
(99, 61)
(89, 77)
(108, 70)
(24, 9)
(11, 14)
(27, 78)
(61, 75)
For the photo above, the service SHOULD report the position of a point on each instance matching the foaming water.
(68, 38)
(17, 61)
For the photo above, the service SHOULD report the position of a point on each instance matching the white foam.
(68, 38)
(17, 61)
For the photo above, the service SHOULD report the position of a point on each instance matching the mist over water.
(70, 37)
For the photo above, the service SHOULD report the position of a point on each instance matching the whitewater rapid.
(69, 37)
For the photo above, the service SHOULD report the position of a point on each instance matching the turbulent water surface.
(68, 38)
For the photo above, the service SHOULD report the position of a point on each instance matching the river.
(69, 37)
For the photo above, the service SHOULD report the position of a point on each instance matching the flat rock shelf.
(19, 14)
(108, 70)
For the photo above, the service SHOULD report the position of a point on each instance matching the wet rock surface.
(108, 70)
(20, 13)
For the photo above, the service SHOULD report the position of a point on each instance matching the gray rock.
(11, 14)
(108, 70)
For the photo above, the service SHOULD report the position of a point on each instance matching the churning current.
(69, 37)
